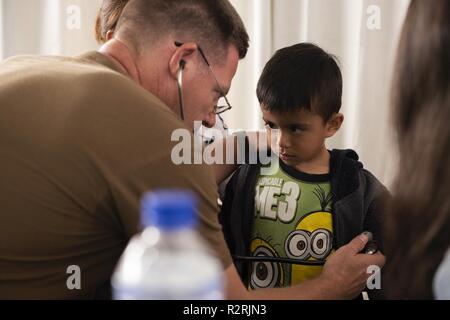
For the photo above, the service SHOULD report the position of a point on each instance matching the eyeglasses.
(217, 109)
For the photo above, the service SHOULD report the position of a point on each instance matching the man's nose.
(210, 120)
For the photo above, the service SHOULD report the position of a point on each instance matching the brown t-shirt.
(80, 143)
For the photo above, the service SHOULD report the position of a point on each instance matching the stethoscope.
(370, 249)
(278, 260)
(180, 88)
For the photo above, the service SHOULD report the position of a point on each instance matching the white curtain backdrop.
(363, 34)
(47, 27)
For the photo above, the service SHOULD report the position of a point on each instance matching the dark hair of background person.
(418, 223)
(302, 76)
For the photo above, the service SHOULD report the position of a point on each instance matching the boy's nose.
(283, 141)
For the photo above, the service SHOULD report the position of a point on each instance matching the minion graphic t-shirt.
(293, 221)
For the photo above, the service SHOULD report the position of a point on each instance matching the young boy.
(282, 227)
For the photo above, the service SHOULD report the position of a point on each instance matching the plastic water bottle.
(169, 260)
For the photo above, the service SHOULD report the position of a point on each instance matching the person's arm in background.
(344, 277)
(441, 279)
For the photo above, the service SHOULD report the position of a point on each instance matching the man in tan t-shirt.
(81, 140)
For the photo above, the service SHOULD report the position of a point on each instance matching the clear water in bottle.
(168, 260)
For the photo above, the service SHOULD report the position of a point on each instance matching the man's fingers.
(376, 260)
(358, 244)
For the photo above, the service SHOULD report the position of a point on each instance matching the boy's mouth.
(285, 156)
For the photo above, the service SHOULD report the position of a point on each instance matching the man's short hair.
(212, 24)
(302, 76)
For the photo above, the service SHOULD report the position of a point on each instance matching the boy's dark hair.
(302, 76)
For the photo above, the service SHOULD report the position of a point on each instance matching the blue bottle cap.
(169, 210)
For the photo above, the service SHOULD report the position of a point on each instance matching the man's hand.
(344, 277)
(345, 273)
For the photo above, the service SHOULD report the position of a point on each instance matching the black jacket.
(358, 205)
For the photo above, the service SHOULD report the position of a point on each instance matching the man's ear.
(182, 57)
(334, 124)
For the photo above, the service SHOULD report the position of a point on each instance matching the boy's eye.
(296, 129)
(270, 125)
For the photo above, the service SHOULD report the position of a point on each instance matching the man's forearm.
(320, 288)
(315, 289)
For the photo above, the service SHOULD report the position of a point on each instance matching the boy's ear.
(334, 124)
